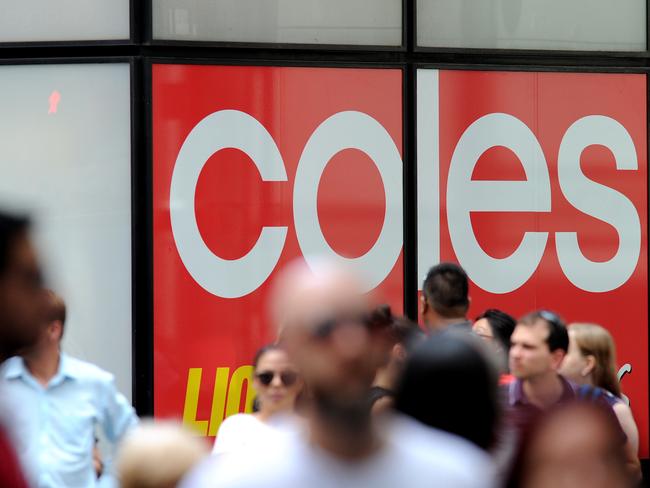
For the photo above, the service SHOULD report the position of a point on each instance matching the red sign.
(253, 167)
(537, 184)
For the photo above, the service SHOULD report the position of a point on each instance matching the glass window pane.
(536, 183)
(239, 147)
(589, 25)
(65, 157)
(358, 22)
(64, 20)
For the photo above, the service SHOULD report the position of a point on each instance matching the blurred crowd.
(349, 395)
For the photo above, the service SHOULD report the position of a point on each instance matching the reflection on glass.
(66, 157)
(54, 100)
(64, 20)
(589, 25)
(354, 22)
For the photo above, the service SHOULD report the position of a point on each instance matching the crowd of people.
(349, 395)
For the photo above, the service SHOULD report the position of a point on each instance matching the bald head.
(306, 296)
(321, 313)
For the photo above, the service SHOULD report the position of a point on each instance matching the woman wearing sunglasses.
(277, 385)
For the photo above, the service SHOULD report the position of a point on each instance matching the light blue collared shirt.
(55, 425)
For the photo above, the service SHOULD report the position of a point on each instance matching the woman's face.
(483, 329)
(276, 381)
(574, 363)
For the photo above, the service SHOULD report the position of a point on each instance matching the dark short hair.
(263, 350)
(558, 337)
(11, 227)
(446, 289)
(448, 383)
(380, 318)
(502, 325)
(406, 332)
(274, 346)
(56, 309)
(400, 330)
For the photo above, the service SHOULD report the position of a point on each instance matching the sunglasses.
(324, 329)
(551, 318)
(287, 378)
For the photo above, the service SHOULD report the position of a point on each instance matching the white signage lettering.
(464, 196)
(235, 129)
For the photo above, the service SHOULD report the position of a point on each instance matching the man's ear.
(558, 356)
(424, 304)
(56, 330)
(399, 351)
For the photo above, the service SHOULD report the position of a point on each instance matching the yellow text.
(226, 397)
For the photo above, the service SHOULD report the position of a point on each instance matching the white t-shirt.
(241, 432)
(413, 456)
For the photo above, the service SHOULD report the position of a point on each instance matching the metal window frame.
(151, 40)
(145, 339)
(533, 68)
(135, 177)
(135, 12)
(528, 52)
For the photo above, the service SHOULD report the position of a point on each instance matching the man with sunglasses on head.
(445, 298)
(539, 343)
(323, 315)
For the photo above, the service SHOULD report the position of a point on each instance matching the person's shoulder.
(462, 326)
(620, 407)
(224, 471)
(11, 362)
(612, 399)
(11, 369)
(241, 418)
(238, 422)
(273, 467)
(595, 394)
(452, 468)
(85, 371)
(451, 459)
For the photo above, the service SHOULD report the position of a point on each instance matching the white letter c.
(222, 277)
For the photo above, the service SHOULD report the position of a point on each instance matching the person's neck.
(43, 364)
(584, 380)
(387, 376)
(545, 390)
(350, 436)
(439, 323)
(264, 415)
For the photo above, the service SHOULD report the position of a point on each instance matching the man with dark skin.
(22, 311)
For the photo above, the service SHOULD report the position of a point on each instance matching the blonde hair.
(594, 340)
(158, 455)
